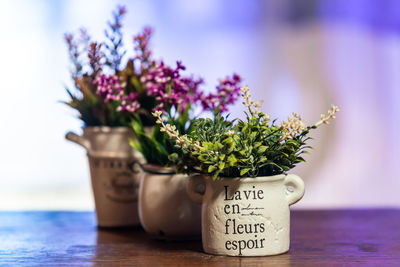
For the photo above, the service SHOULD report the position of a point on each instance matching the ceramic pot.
(246, 216)
(165, 209)
(115, 186)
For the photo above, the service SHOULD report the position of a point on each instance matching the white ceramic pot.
(165, 209)
(115, 186)
(246, 216)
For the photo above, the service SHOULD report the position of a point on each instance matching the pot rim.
(259, 179)
(106, 129)
(157, 169)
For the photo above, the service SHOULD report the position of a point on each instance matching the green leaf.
(244, 128)
(211, 168)
(232, 160)
(236, 138)
(262, 149)
(244, 171)
(203, 157)
(135, 145)
(257, 144)
(221, 165)
(263, 159)
(218, 145)
(252, 136)
(228, 140)
(173, 157)
(215, 175)
(208, 145)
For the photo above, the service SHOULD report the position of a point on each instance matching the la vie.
(244, 194)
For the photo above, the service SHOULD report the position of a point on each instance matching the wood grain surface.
(318, 238)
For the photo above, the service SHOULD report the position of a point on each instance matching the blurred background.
(298, 55)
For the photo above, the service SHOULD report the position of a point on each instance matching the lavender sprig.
(74, 54)
(228, 92)
(95, 56)
(114, 46)
(141, 46)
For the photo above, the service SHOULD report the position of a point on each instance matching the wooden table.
(318, 238)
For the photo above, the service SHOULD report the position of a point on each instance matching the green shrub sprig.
(253, 147)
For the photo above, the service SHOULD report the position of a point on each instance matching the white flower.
(331, 115)
(245, 89)
(157, 113)
(293, 126)
(258, 104)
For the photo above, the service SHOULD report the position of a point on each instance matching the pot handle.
(192, 188)
(80, 140)
(297, 185)
(132, 166)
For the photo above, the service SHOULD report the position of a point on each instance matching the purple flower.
(129, 103)
(111, 88)
(228, 91)
(171, 89)
(180, 66)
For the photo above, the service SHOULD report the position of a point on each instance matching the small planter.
(165, 209)
(246, 216)
(115, 186)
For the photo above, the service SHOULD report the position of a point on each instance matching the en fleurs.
(253, 147)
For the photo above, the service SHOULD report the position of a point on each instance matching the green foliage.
(155, 145)
(250, 148)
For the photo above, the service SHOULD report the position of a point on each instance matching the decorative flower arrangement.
(108, 90)
(253, 147)
(112, 94)
(170, 213)
(178, 98)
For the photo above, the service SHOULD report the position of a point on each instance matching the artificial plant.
(178, 97)
(108, 86)
(253, 147)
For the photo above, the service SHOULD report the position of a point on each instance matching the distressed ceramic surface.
(246, 216)
(115, 186)
(165, 209)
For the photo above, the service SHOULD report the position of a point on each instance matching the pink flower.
(111, 88)
(228, 91)
(170, 88)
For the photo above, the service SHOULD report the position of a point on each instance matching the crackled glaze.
(246, 216)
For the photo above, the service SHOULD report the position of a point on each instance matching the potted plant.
(243, 165)
(105, 104)
(165, 210)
